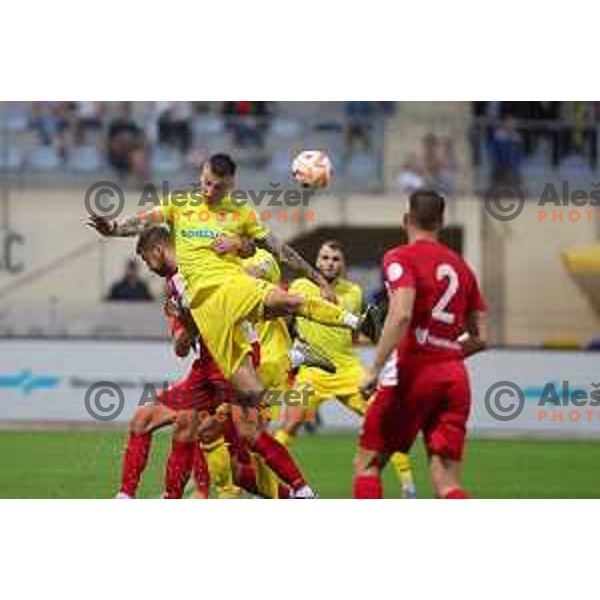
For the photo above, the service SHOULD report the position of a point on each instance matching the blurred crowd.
(137, 138)
(511, 136)
(432, 165)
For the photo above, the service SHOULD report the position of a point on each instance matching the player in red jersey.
(436, 318)
(205, 388)
(176, 406)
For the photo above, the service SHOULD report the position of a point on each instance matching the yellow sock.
(316, 309)
(266, 481)
(401, 464)
(283, 437)
(219, 467)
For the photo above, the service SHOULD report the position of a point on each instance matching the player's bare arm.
(126, 227)
(394, 328)
(287, 255)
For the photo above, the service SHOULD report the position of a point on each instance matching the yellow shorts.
(219, 315)
(274, 375)
(342, 386)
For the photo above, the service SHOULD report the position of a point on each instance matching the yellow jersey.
(334, 342)
(194, 226)
(273, 334)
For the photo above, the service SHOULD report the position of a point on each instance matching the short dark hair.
(426, 209)
(222, 165)
(334, 245)
(151, 237)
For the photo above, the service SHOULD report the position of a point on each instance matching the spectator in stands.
(247, 122)
(543, 123)
(130, 288)
(175, 125)
(89, 119)
(579, 136)
(127, 146)
(51, 121)
(506, 152)
(437, 161)
(358, 127)
(482, 128)
(411, 177)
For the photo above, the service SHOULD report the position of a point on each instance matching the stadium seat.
(165, 160)
(11, 158)
(285, 129)
(44, 158)
(361, 166)
(16, 117)
(85, 159)
(207, 125)
(280, 165)
(575, 167)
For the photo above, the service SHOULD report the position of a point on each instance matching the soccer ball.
(312, 168)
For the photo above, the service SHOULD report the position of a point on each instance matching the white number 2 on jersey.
(439, 312)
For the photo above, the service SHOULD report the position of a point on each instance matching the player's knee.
(185, 426)
(282, 302)
(141, 421)
(365, 462)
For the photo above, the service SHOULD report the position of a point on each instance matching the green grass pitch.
(75, 464)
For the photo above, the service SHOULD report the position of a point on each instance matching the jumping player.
(221, 294)
(436, 318)
(156, 249)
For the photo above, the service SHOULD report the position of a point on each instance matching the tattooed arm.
(287, 255)
(126, 227)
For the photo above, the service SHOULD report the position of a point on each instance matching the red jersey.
(446, 291)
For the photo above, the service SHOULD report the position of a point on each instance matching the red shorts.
(434, 398)
(203, 388)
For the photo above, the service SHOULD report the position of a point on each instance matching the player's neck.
(332, 282)
(418, 235)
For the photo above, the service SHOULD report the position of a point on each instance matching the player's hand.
(226, 245)
(327, 292)
(247, 247)
(183, 343)
(171, 308)
(103, 226)
(471, 345)
(368, 384)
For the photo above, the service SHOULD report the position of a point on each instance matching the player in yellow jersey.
(221, 295)
(278, 355)
(338, 343)
(202, 225)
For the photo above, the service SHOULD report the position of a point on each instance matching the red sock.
(456, 494)
(279, 460)
(134, 462)
(201, 472)
(283, 492)
(368, 487)
(179, 467)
